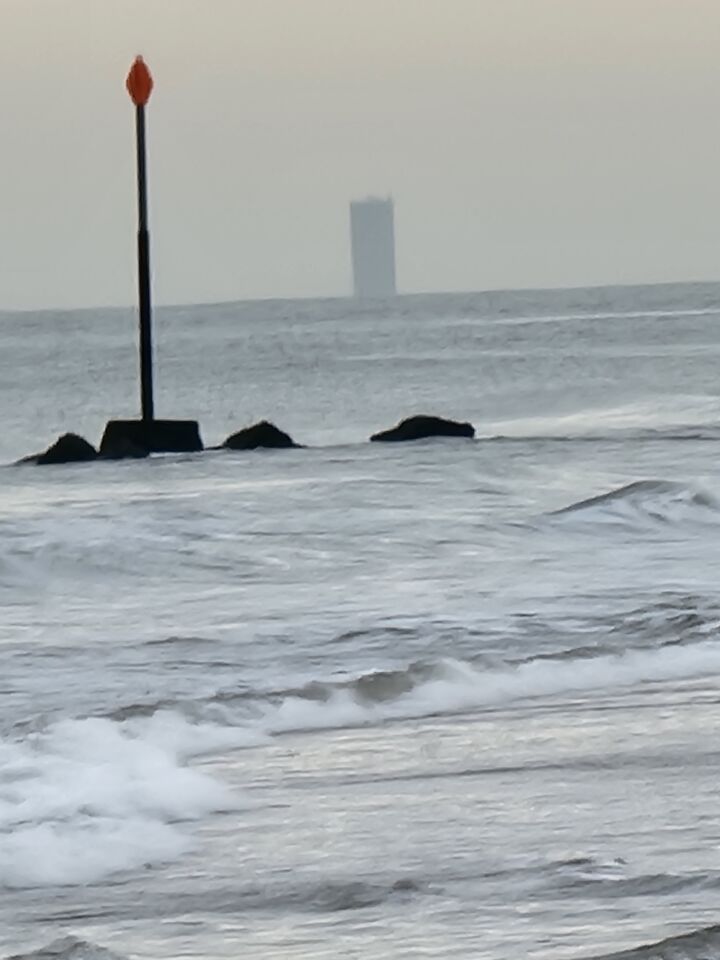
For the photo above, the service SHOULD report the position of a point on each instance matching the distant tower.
(372, 231)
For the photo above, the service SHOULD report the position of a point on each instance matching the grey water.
(452, 698)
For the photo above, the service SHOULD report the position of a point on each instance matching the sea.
(451, 698)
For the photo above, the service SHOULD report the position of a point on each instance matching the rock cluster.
(131, 439)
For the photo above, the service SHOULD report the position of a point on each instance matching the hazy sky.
(526, 143)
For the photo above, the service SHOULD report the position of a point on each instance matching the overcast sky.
(526, 143)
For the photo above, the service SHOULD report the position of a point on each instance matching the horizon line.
(365, 300)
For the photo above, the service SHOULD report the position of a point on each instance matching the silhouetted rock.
(69, 448)
(261, 434)
(418, 428)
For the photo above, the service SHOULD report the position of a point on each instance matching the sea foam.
(451, 686)
(88, 798)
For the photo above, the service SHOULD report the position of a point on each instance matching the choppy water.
(453, 698)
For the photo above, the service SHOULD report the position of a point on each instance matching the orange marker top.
(139, 82)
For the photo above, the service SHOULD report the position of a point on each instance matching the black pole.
(146, 368)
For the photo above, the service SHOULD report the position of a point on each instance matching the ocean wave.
(601, 878)
(610, 880)
(446, 686)
(326, 896)
(702, 944)
(68, 948)
(453, 686)
(645, 502)
(89, 798)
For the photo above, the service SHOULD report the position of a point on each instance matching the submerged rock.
(262, 434)
(418, 428)
(69, 448)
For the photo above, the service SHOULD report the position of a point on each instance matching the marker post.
(139, 84)
(147, 435)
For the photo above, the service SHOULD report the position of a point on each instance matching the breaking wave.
(439, 687)
(645, 502)
(89, 798)
(86, 798)
(452, 686)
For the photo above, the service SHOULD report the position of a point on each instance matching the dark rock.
(152, 436)
(261, 434)
(69, 448)
(417, 428)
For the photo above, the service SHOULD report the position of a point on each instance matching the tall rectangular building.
(372, 232)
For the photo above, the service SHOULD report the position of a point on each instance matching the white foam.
(464, 687)
(91, 797)
(88, 798)
(460, 686)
